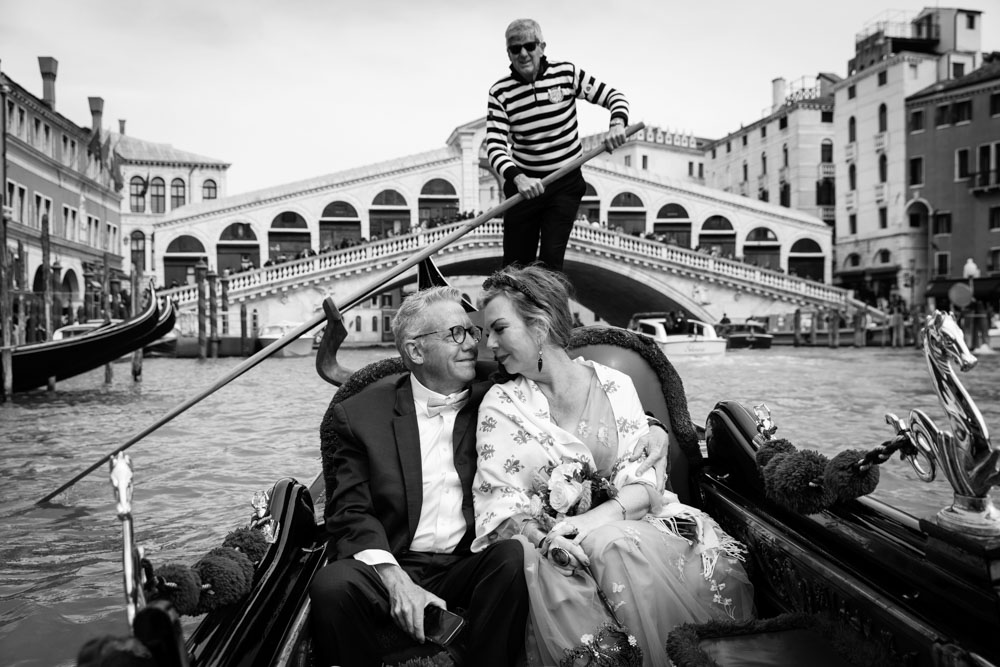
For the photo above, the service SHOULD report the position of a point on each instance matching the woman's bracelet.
(621, 505)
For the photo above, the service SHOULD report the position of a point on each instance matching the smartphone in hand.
(441, 626)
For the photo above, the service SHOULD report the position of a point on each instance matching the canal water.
(60, 567)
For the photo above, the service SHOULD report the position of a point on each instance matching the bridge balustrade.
(266, 278)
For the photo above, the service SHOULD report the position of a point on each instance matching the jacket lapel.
(407, 438)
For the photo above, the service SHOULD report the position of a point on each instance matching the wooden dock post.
(244, 339)
(213, 313)
(136, 307)
(814, 328)
(797, 328)
(200, 269)
(224, 282)
(109, 372)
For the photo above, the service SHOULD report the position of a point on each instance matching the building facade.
(160, 179)
(62, 198)
(786, 157)
(953, 179)
(881, 240)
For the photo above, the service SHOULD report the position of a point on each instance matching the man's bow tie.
(455, 402)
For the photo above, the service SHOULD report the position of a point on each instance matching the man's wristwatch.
(653, 421)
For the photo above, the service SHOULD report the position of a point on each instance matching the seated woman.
(556, 428)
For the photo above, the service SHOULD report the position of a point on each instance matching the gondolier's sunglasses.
(515, 49)
(458, 333)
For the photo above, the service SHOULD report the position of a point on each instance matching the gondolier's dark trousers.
(547, 218)
(350, 604)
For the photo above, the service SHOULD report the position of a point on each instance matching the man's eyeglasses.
(515, 49)
(458, 333)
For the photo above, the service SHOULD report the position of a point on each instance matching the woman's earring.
(539, 359)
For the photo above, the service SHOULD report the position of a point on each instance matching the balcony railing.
(827, 213)
(852, 200)
(984, 181)
(881, 141)
(827, 170)
(881, 192)
(851, 151)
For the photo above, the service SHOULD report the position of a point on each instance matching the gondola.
(861, 579)
(34, 364)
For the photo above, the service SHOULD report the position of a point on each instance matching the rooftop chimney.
(96, 112)
(121, 126)
(779, 91)
(48, 66)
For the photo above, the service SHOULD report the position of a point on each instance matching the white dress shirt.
(442, 524)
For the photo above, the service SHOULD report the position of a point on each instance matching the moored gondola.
(34, 364)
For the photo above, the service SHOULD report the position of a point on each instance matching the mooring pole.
(136, 306)
(200, 269)
(213, 313)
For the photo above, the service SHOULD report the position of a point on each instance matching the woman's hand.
(564, 553)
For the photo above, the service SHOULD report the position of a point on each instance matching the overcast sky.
(290, 90)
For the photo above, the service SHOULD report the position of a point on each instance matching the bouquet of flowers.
(569, 488)
(564, 489)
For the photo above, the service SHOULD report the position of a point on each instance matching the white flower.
(535, 506)
(587, 639)
(563, 493)
(632, 641)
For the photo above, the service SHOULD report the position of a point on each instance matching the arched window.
(883, 168)
(746, 175)
(672, 211)
(761, 235)
(852, 177)
(389, 198)
(288, 236)
(185, 243)
(826, 151)
(178, 193)
(627, 199)
(805, 245)
(882, 121)
(209, 190)
(717, 223)
(718, 237)
(853, 261)
(238, 231)
(852, 130)
(438, 186)
(339, 226)
(157, 195)
(883, 256)
(137, 194)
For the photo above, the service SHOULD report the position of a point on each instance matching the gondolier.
(531, 131)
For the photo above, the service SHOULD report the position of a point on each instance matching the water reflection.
(60, 570)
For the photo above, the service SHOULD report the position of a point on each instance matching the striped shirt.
(531, 128)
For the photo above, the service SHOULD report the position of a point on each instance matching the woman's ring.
(561, 557)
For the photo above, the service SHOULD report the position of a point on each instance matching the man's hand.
(528, 187)
(654, 447)
(615, 137)
(407, 600)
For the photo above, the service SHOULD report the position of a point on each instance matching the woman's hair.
(410, 316)
(540, 296)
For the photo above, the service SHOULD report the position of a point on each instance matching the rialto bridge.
(714, 252)
(614, 275)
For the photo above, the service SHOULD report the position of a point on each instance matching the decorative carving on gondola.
(965, 454)
(133, 573)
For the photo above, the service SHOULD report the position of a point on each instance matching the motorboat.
(298, 347)
(82, 328)
(682, 337)
(745, 335)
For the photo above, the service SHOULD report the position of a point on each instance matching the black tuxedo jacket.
(379, 489)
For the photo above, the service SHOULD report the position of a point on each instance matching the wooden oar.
(317, 319)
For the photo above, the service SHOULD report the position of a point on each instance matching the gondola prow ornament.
(969, 460)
